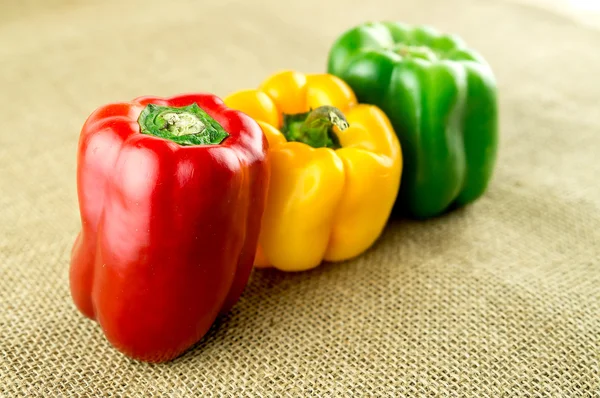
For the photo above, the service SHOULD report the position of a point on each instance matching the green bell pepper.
(441, 99)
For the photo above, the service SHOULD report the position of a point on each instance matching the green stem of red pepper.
(188, 125)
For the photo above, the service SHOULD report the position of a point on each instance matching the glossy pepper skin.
(324, 203)
(169, 231)
(441, 99)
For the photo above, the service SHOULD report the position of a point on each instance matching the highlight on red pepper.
(171, 194)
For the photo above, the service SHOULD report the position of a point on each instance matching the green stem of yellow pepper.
(316, 127)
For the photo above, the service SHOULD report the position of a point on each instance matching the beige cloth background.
(499, 299)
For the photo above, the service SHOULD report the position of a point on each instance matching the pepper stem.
(421, 52)
(316, 127)
(188, 125)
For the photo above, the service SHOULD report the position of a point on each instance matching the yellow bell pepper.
(335, 169)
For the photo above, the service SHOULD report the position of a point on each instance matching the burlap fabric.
(499, 299)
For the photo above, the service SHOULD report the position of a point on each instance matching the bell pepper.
(441, 98)
(171, 194)
(335, 169)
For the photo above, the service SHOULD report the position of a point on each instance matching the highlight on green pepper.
(441, 98)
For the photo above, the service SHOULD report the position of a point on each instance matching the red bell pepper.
(171, 194)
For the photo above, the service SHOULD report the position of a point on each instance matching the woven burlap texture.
(499, 299)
